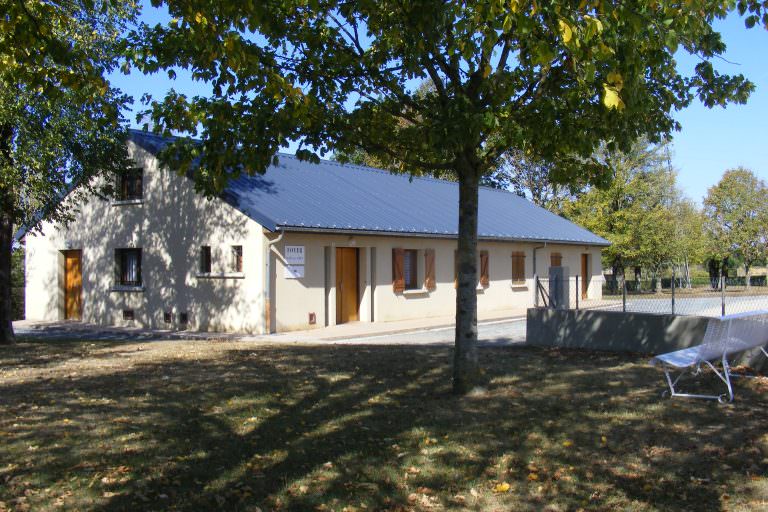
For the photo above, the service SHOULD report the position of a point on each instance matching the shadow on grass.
(324, 428)
(31, 352)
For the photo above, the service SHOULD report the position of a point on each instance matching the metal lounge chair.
(724, 337)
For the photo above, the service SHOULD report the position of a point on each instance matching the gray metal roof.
(301, 196)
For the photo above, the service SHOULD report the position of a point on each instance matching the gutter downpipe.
(268, 287)
(536, 277)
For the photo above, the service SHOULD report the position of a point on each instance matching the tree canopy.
(553, 79)
(60, 120)
(635, 213)
(736, 211)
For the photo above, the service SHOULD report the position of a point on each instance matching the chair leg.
(671, 383)
(724, 376)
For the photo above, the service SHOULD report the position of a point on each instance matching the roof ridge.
(350, 165)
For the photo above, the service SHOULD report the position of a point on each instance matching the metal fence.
(699, 297)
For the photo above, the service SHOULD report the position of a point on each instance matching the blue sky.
(711, 140)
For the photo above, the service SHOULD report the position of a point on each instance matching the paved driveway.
(505, 332)
(500, 332)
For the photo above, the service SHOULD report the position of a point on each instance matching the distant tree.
(533, 178)
(690, 243)
(635, 212)
(736, 209)
(360, 157)
(550, 78)
(60, 120)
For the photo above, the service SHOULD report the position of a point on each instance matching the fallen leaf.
(502, 487)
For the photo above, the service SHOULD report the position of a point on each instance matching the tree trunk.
(6, 248)
(615, 270)
(747, 273)
(466, 370)
(6, 244)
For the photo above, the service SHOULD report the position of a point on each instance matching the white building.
(303, 246)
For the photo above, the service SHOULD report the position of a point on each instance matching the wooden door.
(73, 285)
(584, 275)
(347, 300)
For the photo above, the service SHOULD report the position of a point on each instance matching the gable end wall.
(170, 225)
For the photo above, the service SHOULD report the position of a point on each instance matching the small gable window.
(130, 184)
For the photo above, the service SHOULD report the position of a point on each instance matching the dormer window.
(130, 185)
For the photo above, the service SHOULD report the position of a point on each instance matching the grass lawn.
(203, 425)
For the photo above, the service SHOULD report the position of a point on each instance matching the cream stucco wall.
(295, 299)
(170, 225)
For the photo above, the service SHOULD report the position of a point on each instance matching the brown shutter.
(518, 267)
(484, 279)
(429, 269)
(455, 269)
(398, 278)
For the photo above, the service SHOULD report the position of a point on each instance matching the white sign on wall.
(294, 272)
(294, 254)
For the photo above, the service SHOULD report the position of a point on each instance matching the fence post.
(673, 290)
(577, 292)
(624, 295)
(722, 295)
(535, 290)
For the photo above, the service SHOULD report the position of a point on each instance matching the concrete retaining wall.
(620, 332)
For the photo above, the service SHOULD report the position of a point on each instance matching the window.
(555, 259)
(128, 314)
(518, 268)
(168, 317)
(129, 184)
(406, 272)
(410, 267)
(128, 267)
(205, 259)
(237, 258)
